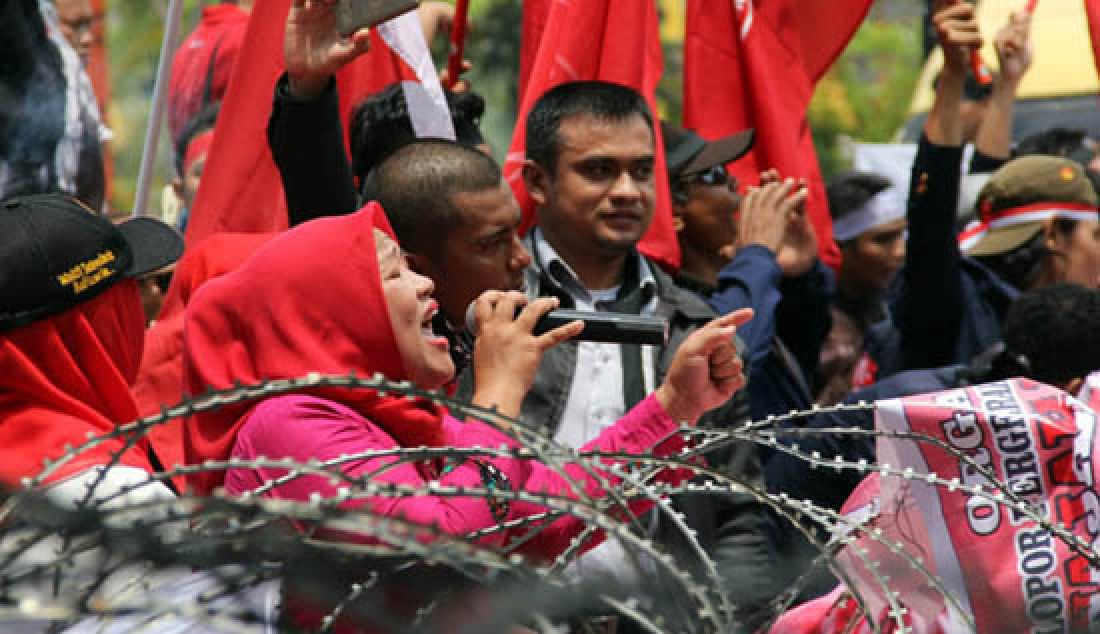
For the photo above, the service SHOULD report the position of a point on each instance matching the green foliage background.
(865, 96)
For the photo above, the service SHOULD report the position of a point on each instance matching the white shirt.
(595, 399)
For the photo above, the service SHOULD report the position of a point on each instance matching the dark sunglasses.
(716, 175)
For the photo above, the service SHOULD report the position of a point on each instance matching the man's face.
(708, 215)
(871, 260)
(1078, 254)
(77, 21)
(599, 200)
(482, 252)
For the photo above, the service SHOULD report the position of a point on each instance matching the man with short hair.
(455, 216)
(590, 170)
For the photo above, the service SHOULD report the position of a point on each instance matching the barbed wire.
(114, 560)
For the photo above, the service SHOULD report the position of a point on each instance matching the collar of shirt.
(563, 274)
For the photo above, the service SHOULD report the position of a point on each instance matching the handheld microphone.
(599, 327)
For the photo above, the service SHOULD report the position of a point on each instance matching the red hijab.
(160, 379)
(310, 300)
(66, 376)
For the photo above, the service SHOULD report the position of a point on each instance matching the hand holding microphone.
(600, 327)
(507, 352)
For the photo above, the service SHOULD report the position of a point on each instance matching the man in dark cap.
(751, 252)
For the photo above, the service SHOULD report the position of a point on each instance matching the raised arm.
(927, 302)
(1013, 43)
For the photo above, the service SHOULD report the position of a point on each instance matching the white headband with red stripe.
(1012, 216)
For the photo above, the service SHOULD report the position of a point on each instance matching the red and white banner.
(997, 568)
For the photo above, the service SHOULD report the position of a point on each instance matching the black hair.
(1020, 267)
(1053, 333)
(599, 99)
(1056, 141)
(205, 120)
(848, 191)
(416, 183)
(380, 125)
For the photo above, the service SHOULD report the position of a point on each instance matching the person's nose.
(626, 187)
(424, 286)
(520, 258)
(899, 250)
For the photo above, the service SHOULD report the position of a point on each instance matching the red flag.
(770, 54)
(1092, 8)
(610, 40)
(241, 190)
(535, 14)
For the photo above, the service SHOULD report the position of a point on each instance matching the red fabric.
(754, 65)
(1092, 9)
(535, 13)
(98, 73)
(197, 149)
(160, 378)
(286, 313)
(68, 375)
(610, 40)
(211, 49)
(246, 195)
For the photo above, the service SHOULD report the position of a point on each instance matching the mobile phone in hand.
(352, 15)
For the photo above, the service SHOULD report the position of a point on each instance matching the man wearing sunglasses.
(751, 252)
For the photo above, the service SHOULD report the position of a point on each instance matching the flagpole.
(458, 42)
(156, 113)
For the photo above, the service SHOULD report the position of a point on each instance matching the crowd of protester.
(398, 249)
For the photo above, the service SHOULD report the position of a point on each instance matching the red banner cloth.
(1092, 8)
(241, 191)
(615, 41)
(535, 14)
(754, 65)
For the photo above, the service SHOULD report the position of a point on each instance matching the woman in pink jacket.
(335, 296)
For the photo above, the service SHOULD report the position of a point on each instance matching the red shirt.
(210, 50)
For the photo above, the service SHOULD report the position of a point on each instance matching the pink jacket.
(306, 427)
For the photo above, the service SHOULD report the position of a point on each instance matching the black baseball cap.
(688, 153)
(55, 252)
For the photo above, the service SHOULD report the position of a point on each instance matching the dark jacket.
(947, 307)
(306, 139)
(784, 337)
(733, 529)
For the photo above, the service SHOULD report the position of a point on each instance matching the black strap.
(208, 83)
(158, 466)
(632, 299)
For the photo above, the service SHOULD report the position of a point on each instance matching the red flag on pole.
(610, 40)
(242, 191)
(535, 14)
(770, 56)
(1092, 8)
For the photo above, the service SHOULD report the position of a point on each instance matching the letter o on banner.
(983, 515)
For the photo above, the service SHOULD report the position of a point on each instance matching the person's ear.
(177, 187)
(537, 181)
(678, 217)
(1051, 235)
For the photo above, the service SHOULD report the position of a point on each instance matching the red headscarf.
(160, 379)
(65, 376)
(310, 300)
